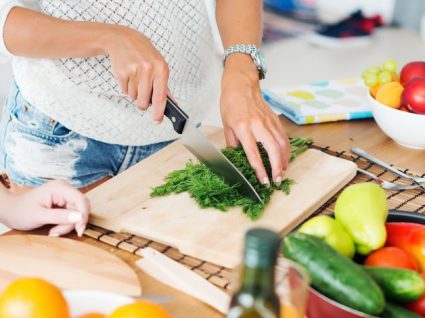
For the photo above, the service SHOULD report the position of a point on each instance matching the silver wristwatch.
(254, 52)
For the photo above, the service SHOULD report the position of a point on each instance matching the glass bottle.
(256, 296)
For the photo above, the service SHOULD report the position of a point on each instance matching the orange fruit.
(92, 315)
(374, 89)
(390, 94)
(140, 309)
(33, 298)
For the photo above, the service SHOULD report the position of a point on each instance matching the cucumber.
(394, 311)
(399, 285)
(333, 274)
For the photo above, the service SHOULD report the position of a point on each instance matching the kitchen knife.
(196, 142)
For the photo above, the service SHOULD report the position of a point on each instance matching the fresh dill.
(210, 191)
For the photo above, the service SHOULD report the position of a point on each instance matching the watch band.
(251, 50)
(240, 48)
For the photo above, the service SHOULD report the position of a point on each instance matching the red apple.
(414, 95)
(411, 70)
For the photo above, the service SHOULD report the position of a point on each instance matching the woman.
(87, 71)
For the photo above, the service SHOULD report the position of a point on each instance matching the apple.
(411, 70)
(330, 231)
(414, 95)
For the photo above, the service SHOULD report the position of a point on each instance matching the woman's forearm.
(137, 65)
(240, 22)
(33, 34)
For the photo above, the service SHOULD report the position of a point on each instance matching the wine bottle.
(256, 296)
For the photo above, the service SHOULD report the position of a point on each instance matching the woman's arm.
(33, 34)
(53, 203)
(246, 116)
(138, 67)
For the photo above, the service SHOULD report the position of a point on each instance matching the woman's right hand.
(140, 69)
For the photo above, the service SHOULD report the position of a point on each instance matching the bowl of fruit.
(398, 101)
(364, 261)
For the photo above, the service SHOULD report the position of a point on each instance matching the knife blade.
(199, 145)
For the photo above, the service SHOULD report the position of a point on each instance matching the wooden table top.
(364, 134)
(339, 136)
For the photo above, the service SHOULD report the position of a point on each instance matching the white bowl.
(86, 301)
(406, 129)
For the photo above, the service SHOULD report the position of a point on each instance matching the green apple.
(330, 231)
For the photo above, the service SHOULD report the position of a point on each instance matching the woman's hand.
(248, 119)
(53, 203)
(140, 69)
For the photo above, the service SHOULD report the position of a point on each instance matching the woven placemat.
(408, 200)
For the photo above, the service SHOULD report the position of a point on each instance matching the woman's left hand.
(247, 119)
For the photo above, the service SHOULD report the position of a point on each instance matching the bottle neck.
(257, 280)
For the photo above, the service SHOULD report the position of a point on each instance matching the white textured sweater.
(83, 95)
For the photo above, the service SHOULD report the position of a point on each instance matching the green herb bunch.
(210, 190)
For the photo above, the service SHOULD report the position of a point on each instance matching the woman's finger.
(249, 145)
(231, 139)
(284, 145)
(80, 226)
(280, 136)
(273, 150)
(144, 88)
(61, 229)
(70, 198)
(159, 94)
(133, 83)
(59, 216)
(123, 80)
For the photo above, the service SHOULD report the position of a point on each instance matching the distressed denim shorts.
(35, 149)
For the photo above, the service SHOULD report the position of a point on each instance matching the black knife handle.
(177, 116)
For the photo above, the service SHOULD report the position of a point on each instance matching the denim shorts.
(34, 149)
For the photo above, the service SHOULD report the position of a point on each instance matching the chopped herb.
(210, 191)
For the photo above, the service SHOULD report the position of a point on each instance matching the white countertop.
(295, 61)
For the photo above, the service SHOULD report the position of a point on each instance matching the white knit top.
(82, 94)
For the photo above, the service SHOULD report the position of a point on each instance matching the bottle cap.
(261, 246)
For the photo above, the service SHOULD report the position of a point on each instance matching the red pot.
(320, 306)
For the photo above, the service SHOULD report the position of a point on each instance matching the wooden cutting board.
(124, 204)
(68, 264)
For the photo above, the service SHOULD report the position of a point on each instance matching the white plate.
(85, 301)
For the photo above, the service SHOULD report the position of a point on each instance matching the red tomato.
(418, 306)
(391, 257)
